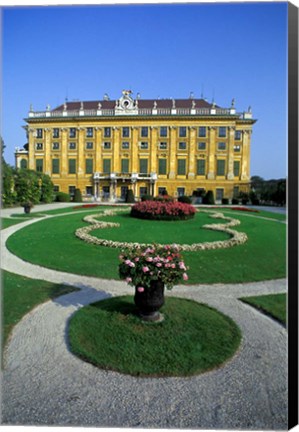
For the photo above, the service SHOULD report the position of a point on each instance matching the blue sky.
(233, 50)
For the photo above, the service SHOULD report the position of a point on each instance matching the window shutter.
(72, 166)
(162, 166)
(181, 166)
(89, 166)
(107, 166)
(143, 166)
(55, 166)
(125, 166)
(201, 167)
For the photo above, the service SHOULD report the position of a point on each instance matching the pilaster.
(80, 157)
(245, 155)
(134, 150)
(115, 163)
(191, 151)
(64, 152)
(98, 148)
(230, 165)
(211, 155)
(172, 151)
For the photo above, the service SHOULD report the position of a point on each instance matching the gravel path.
(44, 384)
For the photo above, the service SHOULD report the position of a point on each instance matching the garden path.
(44, 384)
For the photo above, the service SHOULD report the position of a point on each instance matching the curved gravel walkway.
(44, 384)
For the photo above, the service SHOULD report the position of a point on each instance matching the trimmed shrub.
(184, 199)
(62, 197)
(225, 201)
(156, 210)
(77, 196)
(130, 196)
(164, 198)
(209, 198)
(235, 201)
(147, 198)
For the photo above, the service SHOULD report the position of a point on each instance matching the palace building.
(106, 147)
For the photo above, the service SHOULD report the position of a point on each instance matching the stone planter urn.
(150, 300)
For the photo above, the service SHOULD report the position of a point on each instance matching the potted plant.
(150, 270)
(27, 206)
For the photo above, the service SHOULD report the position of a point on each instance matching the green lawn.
(52, 243)
(273, 305)
(192, 338)
(7, 222)
(20, 295)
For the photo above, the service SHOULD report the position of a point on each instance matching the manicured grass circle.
(192, 338)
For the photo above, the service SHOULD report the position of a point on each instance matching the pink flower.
(185, 276)
(145, 269)
(121, 257)
(159, 264)
(128, 279)
(136, 259)
(140, 289)
(149, 259)
(172, 265)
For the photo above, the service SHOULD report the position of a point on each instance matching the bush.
(209, 198)
(184, 199)
(130, 196)
(235, 201)
(77, 196)
(62, 197)
(156, 210)
(225, 201)
(164, 198)
(147, 198)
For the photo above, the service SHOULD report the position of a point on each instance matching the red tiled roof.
(142, 103)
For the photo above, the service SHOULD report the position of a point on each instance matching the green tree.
(27, 186)
(8, 195)
(47, 188)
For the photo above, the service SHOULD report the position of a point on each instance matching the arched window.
(23, 163)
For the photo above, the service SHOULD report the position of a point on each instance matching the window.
(125, 132)
(72, 146)
(143, 165)
(201, 146)
(39, 146)
(55, 188)
(125, 166)
(72, 190)
(181, 166)
(163, 145)
(55, 133)
(55, 166)
(88, 190)
(107, 132)
(39, 133)
(39, 165)
(144, 145)
(237, 148)
(236, 191)
(236, 168)
(143, 191)
(162, 190)
(72, 166)
(23, 164)
(182, 131)
(162, 166)
(201, 166)
(219, 194)
(182, 145)
(89, 145)
(220, 167)
(222, 131)
(238, 135)
(163, 131)
(89, 132)
(73, 132)
(221, 146)
(88, 166)
(202, 131)
(181, 191)
(144, 131)
(107, 145)
(125, 145)
(106, 166)
(55, 146)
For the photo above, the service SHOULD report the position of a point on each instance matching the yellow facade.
(104, 148)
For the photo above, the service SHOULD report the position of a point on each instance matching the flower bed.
(237, 237)
(163, 210)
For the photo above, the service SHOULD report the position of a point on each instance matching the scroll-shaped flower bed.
(237, 237)
(163, 210)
